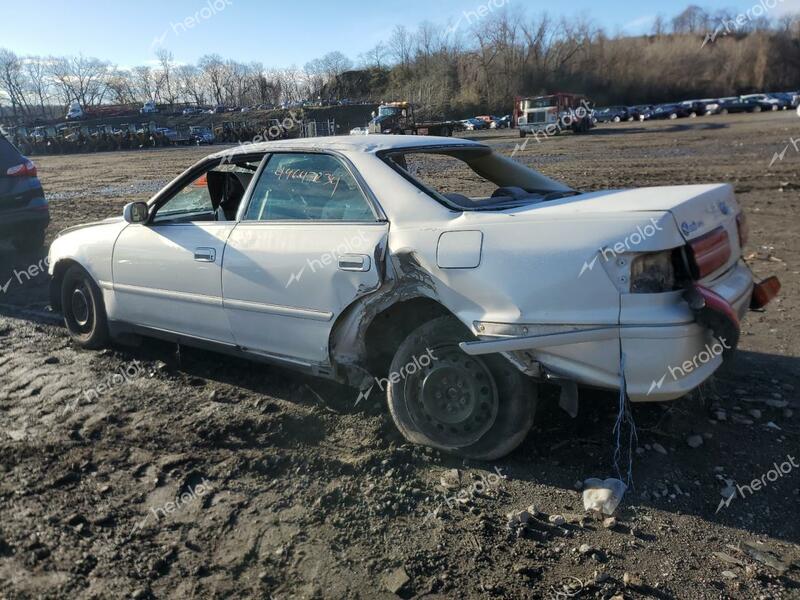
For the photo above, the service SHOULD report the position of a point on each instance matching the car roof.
(368, 144)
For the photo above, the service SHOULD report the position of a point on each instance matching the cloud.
(640, 24)
(784, 7)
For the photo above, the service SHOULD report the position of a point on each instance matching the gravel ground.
(286, 489)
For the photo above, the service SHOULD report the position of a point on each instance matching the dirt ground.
(288, 490)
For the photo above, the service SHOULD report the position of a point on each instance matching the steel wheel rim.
(453, 399)
(81, 307)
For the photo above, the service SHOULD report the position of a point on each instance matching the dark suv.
(24, 214)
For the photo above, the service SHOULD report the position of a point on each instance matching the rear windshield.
(9, 157)
(475, 179)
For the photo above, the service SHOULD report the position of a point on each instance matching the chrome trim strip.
(535, 342)
(168, 294)
(275, 309)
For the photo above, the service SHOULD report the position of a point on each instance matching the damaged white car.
(436, 270)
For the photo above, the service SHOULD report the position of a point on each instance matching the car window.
(214, 195)
(9, 157)
(194, 198)
(307, 187)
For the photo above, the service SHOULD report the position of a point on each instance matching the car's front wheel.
(476, 407)
(83, 308)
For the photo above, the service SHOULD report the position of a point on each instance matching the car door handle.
(354, 262)
(205, 255)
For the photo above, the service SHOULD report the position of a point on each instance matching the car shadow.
(744, 415)
(669, 475)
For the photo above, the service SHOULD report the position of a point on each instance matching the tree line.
(475, 66)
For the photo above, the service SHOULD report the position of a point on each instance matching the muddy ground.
(295, 492)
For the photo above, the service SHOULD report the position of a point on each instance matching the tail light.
(764, 292)
(716, 313)
(744, 229)
(710, 252)
(26, 169)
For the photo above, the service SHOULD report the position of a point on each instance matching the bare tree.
(165, 86)
(375, 57)
(215, 73)
(82, 79)
(12, 81)
(400, 46)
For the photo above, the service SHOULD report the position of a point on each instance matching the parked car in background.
(74, 112)
(192, 110)
(503, 122)
(148, 108)
(359, 131)
(790, 99)
(766, 102)
(636, 112)
(169, 133)
(473, 124)
(666, 111)
(201, 135)
(611, 114)
(735, 104)
(219, 258)
(698, 108)
(24, 212)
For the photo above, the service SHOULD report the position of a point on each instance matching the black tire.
(31, 242)
(724, 111)
(83, 309)
(491, 418)
(522, 133)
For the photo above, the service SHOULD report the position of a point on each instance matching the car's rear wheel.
(724, 111)
(83, 308)
(30, 242)
(476, 407)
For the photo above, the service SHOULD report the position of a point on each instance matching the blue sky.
(282, 34)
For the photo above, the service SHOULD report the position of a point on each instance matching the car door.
(167, 272)
(309, 242)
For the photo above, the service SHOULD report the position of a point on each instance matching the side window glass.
(192, 200)
(307, 187)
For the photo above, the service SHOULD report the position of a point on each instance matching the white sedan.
(434, 270)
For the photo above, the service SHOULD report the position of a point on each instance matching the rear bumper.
(667, 360)
(667, 352)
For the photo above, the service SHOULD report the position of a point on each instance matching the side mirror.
(135, 212)
(374, 114)
(405, 112)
